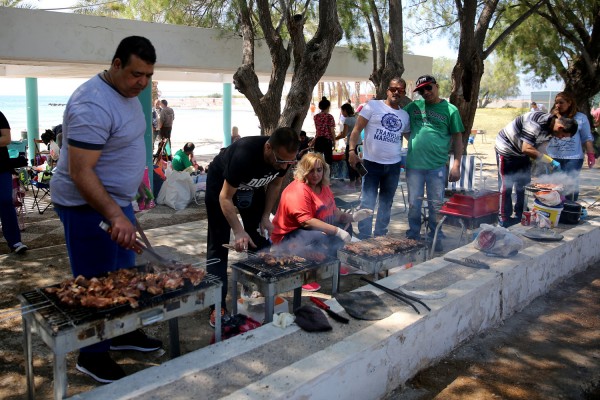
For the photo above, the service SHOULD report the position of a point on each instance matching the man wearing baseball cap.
(435, 125)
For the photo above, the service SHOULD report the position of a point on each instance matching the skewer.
(250, 252)
(25, 312)
(23, 308)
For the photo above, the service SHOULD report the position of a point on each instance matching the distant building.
(544, 99)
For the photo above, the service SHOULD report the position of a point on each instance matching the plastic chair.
(40, 190)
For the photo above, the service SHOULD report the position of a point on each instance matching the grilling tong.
(406, 298)
(139, 247)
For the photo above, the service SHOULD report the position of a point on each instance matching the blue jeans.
(8, 214)
(417, 179)
(572, 167)
(91, 250)
(382, 180)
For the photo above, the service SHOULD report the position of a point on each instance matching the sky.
(47, 87)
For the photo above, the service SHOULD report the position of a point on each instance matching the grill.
(65, 329)
(272, 280)
(373, 265)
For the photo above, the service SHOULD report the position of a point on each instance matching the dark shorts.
(165, 132)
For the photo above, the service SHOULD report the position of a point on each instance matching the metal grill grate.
(257, 267)
(59, 316)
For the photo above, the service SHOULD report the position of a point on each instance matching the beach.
(197, 119)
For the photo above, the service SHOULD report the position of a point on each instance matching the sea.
(203, 127)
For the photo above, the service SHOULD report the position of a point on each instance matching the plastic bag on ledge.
(498, 241)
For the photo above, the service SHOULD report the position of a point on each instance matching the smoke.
(305, 243)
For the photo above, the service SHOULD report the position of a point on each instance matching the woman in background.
(325, 131)
(568, 152)
(349, 122)
(8, 214)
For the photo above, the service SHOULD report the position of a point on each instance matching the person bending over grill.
(515, 147)
(98, 173)
(245, 177)
(307, 217)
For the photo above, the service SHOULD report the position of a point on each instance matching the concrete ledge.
(368, 359)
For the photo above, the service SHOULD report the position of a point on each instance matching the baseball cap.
(424, 81)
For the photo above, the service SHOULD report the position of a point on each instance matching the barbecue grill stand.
(66, 330)
(271, 281)
(373, 265)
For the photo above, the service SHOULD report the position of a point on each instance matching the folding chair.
(19, 199)
(40, 189)
(41, 155)
(468, 166)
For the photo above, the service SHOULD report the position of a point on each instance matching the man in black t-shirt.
(245, 177)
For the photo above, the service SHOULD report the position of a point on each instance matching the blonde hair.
(307, 163)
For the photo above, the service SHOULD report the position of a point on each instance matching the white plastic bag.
(498, 241)
(548, 197)
(177, 191)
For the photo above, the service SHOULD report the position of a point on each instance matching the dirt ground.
(550, 350)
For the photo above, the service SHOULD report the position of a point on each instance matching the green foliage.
(442, 71)
(539, 47)
(499, 81)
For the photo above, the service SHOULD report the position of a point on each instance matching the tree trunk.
(583, 82)
(310, 62)
(357, 91)
(394, 61)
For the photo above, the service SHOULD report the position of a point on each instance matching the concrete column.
(145, 98)
(33, 120)
(226, 114)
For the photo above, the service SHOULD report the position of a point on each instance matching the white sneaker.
(19, 248)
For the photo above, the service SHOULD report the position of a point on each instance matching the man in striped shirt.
(516, 146)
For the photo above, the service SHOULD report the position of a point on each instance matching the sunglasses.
(280, 161)
(395, 89)
(424, 88)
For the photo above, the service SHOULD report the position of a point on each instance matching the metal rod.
(395, 293)
(25, 313)
(23, 308)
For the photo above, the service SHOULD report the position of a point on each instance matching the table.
(271, 285)
(68, 331)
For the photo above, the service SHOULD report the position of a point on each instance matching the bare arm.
(531, 151)
(316, 224)
(343, 134)
(361, 122)
(457, 150)
(4, 137)
(242, 239)
(81, 169)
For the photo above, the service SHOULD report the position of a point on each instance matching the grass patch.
(492, 120)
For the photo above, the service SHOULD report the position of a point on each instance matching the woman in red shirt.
(307, 218)
(325, 131)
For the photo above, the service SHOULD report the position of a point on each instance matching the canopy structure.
(43, 44)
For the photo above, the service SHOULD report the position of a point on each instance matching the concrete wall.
(50, 44)
(384, 354)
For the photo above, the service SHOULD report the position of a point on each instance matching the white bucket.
(552, 212)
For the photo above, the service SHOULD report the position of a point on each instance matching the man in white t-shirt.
(384, 123)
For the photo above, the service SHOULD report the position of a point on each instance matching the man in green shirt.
(435, 125)
(184, 158)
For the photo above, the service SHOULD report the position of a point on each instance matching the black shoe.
(136, 340)
(100, 367)
(439, 246)
(19, 248)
